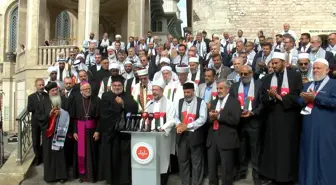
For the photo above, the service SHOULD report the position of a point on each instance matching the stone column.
(88, 19)
(136, 18)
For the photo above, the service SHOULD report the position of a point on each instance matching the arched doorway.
(62, 28)
(324, 39)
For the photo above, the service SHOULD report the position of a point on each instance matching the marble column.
(88, 19)
(136, 18)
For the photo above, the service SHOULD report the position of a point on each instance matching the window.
(62, 25)
(13, 29)
(159, 26)
(154, 26)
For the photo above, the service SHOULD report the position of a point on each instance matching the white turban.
(323, 61)
(278, 55)
(127, 62)
(118, 36)
(164, 68)
(114, 66)
(165, 60)
(52, 69)
(80, 55)
(110, 48)
(159, 83)
(142, 72)
(194, 59)
(182, 69)
(303, 55)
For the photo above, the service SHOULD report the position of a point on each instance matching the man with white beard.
(164, 61)
(127, 73)
(318, 52)
(111, 55)
(169, 89)
(182, 72)
(163, 111)
(196, 74)
(318, 142)
(54, 125)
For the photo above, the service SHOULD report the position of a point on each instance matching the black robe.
(55, 167)
(279, 159)
(77, 112)
(99, 76)
(115, 149)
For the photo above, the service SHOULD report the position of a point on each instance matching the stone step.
(35, 177)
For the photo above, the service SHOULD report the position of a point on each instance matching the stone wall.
(216, 16)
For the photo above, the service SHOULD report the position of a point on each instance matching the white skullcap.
(194, 59)
(182, 69)
(118, 36)
(114, 66)
(142, 72)
(159, 83)
(164, 68)
(215, 35)
(303, 55)
(110, 48)
(137, 65)
(278, 55)
(52, 69)
(127, 62)
(80, 55)
(323, 61)
(165, 60)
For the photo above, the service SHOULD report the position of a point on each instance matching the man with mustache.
(84, 111)
(190, 117)
(280, 92)
(115, 155)
(248, 93)
(54, 124)
(222, 139)
(318, 148)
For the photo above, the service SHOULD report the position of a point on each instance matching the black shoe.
(37, 161)
(62, 181)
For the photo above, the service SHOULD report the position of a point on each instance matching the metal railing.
(24, 135)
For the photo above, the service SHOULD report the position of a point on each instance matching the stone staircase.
(35, 177)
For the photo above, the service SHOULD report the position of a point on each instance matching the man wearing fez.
(222, 140)
(162, 111)
(190, 117)
(280, 91)
(115, 155)
(84, 111)
(54, 124)
(142, 91)
(248, 92)
(34, 101)
(318, 142)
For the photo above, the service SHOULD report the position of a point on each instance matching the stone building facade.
(311, 16)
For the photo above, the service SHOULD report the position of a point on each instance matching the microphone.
(149, 105)
(128, 121)
(144, 117)
(134, 119)
(149, 125)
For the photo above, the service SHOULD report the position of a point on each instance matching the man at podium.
(162, 111)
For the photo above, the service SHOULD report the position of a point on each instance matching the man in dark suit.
(95, 68)
(248, 92)
(304, 47)
(222, 140)
(221, 71)
(33, 101)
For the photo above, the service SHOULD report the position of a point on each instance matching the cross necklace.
(88, 109)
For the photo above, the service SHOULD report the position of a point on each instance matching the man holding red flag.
(224, 114)
(54, 131)
(190, 117)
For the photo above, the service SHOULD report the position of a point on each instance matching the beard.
(246, 80)
(112, 56)
(117, 92)
(156, 97)
(188, 98)
(193, 71)
(56, 100)
(319, 77)
(314, 49)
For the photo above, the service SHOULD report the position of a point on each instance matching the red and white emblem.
(142, 153)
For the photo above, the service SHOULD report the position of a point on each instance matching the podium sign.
(145, 148)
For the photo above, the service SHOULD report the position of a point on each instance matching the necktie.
(317, 85)
(181, 60)
(67, 94)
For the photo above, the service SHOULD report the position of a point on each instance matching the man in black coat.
(223, 140)
(248, 92)
(33, 102)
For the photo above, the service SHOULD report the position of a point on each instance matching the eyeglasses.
(303, 64)
(244, 74)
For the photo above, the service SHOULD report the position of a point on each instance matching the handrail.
(24, 135)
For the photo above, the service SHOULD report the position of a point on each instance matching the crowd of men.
(221, 102)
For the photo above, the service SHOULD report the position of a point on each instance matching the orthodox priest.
(318, 142)
(84, 111)
(280, 91)
(54, 124)
(163, 111)
(115, 155)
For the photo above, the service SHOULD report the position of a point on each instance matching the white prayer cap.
(164, 68)
(194, 59)
(182, 69)
(278, 55)
(114, 66)
(127, 62)
(142, 72)
(215, 36)
(323, 61)
(110, 48)
(165, 60)
(52, 69)
(159, 83)
(137, 65)
(118, 36)
(303, 56)
(80, 55)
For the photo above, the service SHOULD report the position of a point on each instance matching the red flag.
(188, 118)
(51, 125)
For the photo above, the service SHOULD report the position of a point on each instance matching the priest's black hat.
(118, 78)
(188, 85)
(50, 86)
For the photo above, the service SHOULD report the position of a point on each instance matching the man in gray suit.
(234, 77)
(221, 71)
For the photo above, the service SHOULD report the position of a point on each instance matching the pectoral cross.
(87, 117)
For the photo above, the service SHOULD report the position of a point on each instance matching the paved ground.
(8, 147)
